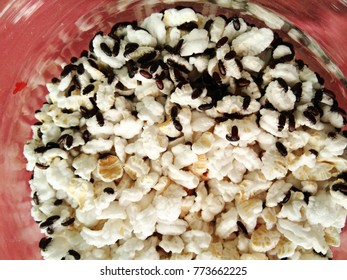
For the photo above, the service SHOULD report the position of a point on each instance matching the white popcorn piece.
(172, 244)
(140, 37)
(292, 209)
(263, 240)
(194, 42)
(252, 63)
(280, 51)
(155, 26)
(284, 248)
(150, 110)
(249, 210)
(196, 241)
(203, 144)
(226, 189)
(322, 210)
(200, 122)
(287, 72)
(281, 99)
(84, 165)
(128, 128)
(136, 167)
(277, 192)
(115, 62)
(211, 206)
(184, 178)
(127, 251)
(97, 146)
(230, 30)
(177, 227)
(253, 42)
(274, 165)
(168, 208)
(226, 223)
(254, 183)
(248, 157)
(173, 17)
(112, 231)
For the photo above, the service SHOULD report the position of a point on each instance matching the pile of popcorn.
(188, 137)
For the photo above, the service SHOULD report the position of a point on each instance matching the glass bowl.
(38, 36)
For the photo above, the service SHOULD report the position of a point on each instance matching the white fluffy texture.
(269, 122)
(280, 51)
(172, 244)
(200, 122)
(282, 100)
(196, 241)
(322, 210)
(184, 178)
(252, 63)
(115, 62)
(248, 157)
(248, 130)
(150, 110)
(194, 42)
(189, 186)
(253, 42)
(203, 144)
(111, 232)
(184, 155)
(274, 165)
(249, 210)
(226, 224)
(84, 165)
(140, 37)
(173, 17)
(171, 228)
(287, 72)
(155, 26)
(150, 144)
(128, 128)
(277, 192)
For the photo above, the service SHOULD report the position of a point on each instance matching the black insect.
(106, 49)
(109, 190)
(75, 254)
(222, 41)
(44, 242)
(281, 149)
(281, 121)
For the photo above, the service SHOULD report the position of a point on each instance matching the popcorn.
(263, 240)
(109, 168)
(281, 99)
(252, 42)
(194, 42)
(172, 244)
(136, 167)
(97, 146)
(184, 178)
(111, 232)
(203, 144)
(173, 17)
(226, 224)
(188, 137)
(128, 128)
(196, 241)
(277, 192)
(176, 227)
